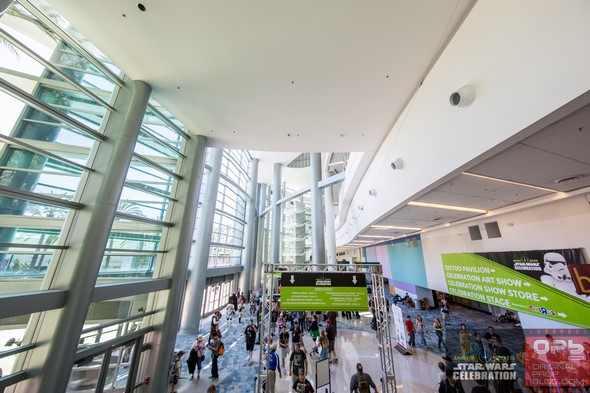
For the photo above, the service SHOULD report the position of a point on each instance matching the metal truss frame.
(384, 342)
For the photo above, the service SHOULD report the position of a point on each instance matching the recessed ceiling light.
(141, 7)
(447, 207)
(385, 227)
(234, 131)
(507, 181)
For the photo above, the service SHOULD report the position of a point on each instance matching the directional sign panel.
(324, 291)
(475, 277)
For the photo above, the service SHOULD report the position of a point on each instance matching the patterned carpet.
(236, 375)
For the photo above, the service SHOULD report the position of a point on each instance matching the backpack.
(363, 383)
(221, 349)
(172, 377)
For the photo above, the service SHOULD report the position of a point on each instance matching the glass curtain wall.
(56, 98)
(230, 210)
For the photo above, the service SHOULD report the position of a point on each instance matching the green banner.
(313, 291)
(475, 277)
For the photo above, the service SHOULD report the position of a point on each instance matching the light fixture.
(385, 227)
(508, 182)
(376, 236)
(361, 207)
(373, 192)
(447, 207)
(336, 163)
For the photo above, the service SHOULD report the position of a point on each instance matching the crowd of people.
(288, 356)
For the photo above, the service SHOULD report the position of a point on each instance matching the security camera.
(462, 97)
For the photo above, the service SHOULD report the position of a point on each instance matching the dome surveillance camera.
(462, 97)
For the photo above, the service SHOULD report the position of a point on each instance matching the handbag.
(202, 358)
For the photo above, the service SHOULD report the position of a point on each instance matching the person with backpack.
(174, 372)
(361, 382)
(214, 347)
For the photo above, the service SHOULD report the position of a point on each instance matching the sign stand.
(270, 285)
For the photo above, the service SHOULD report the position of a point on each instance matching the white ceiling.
(299, 76)
(317, 76)
(555, 159)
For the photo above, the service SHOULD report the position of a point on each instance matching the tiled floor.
(355, 343)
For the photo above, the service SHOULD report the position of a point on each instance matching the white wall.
(525, 59)
(560, 224)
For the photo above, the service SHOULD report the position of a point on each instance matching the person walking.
(296, 335)
(438, 328)
(324, 345)
(314, 333)
(445, 311)
(274, 366)
(284, 346)
(464, 339)
(250, 338)
(297, 363)
(302, 385)
(411, 332)
(421, 329)
(229, 313)
(214, 347)
(361, 382)
(175, 371)
(331, 335)
(241, 310)
(196, 357)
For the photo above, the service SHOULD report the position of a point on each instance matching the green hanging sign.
(475, 277)
(324, 291)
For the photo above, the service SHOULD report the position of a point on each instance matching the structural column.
(191, 313)
(318, 250)
(112, 162)
(181, 236)
(250, 231)
(261, 243)
(275, 246)
(330, 228)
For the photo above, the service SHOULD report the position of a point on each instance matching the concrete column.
(249, 251)
(82, 274)
(191, 312)
(318, 249)
(330, 227)
(275, 246)
(261, 243)
(181, 235)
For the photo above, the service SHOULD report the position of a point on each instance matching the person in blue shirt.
(274, 366)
